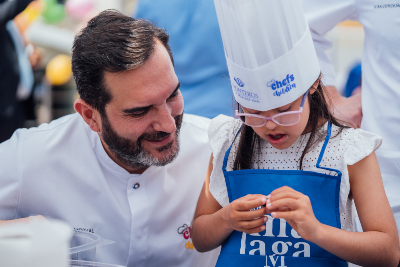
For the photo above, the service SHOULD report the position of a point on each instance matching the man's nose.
(164, 122)
(271, 124)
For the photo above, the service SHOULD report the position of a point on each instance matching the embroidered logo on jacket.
(186, 232)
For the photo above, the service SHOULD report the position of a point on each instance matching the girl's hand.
(295, 208)
(237, 214)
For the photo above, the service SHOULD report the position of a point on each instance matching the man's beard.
(132, 153)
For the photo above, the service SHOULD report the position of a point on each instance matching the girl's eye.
(285, 109)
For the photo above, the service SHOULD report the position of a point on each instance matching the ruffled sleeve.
(359, 144)
(220, 134)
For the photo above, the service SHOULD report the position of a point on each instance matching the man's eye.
(173, 95)
(139, 113)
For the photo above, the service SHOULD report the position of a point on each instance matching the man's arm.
(10, 9)
(10, 175)
(346, 109)
(322, 16)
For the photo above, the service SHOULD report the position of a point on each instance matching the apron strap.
(229, 151)
(321, 154)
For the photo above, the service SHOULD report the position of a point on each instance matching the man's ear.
(89, 114)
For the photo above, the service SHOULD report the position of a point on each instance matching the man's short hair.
(111, 42)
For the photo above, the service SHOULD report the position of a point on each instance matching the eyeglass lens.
(284, 119)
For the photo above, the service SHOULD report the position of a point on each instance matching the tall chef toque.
(269, 51)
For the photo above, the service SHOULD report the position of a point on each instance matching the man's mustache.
(155, 136)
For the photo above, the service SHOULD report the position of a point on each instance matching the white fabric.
(61, 170)
(346, 148)
(380, 77)
(37, 243)
(269, 51)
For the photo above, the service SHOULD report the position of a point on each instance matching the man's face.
(143, 119)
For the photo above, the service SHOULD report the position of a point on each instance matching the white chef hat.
(269, 50)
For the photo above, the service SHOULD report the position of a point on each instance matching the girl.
(281, 181)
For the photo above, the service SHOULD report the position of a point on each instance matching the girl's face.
(278, 136)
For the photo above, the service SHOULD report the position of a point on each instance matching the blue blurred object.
(198, 52)
(354, 80)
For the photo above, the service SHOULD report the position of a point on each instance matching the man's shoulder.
(47, 136)
(56, 125)
(194, 121)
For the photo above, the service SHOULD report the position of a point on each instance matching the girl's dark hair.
(319, 109)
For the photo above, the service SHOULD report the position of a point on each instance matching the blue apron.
(279, 245)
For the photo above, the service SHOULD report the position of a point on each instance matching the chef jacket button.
(136, 186)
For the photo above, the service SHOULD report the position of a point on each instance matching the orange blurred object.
(26, 17)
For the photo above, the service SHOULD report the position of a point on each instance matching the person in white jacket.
(129, 165)
(380, 79)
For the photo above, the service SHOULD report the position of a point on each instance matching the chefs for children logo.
(240, 92)
(282, 87)
(185, 231)
(277, 241)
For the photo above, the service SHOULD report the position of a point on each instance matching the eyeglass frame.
(238, 115)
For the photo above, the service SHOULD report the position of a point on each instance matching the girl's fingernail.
(265, 219)
(269, 205)
(264, 200)
(268, 196)
(268, 200)
(262, 228)
(273, 214)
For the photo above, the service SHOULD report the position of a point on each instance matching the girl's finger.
(253, 223)
(282, 189)
(253, 230)
(251, 215)
(285, 194)
(287, 215)
(252, 197)
(290, 203)
(278, 209)
(246, 205)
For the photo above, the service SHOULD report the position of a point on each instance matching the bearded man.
(128, 166)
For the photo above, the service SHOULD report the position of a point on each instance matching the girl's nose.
(271, 125)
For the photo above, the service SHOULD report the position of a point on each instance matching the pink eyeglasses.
(284, 119)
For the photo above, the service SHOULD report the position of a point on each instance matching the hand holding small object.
(246, 214)
(296, 209)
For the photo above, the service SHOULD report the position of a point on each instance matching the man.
(380, 78)
(129, 165)
(198, 51)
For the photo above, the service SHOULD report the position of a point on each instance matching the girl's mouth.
(277, 139)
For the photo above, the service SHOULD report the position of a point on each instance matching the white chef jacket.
(61, 170)
(380, 77)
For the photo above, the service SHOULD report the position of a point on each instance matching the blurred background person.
(16, 76)
(353, 84)
(380, 74)
(198, 52)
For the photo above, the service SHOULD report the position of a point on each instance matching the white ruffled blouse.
(345, 148)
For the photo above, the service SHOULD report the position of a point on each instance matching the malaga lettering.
(275, 254)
